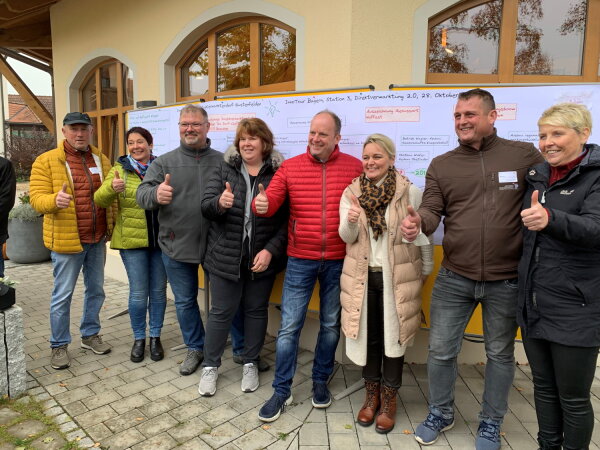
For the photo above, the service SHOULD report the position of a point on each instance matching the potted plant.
(25, 242)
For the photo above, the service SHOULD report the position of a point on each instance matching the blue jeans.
(300, 278)
(1, 265)
(66, 269)
(453, 301)
(183, 278)
(147, 289)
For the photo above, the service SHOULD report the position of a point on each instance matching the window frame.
(255, 63)
(507, 45)
(103, 132)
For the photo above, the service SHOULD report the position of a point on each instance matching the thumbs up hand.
(535, 218)
(262, 201)
(355, 209)
(63, 198)
(164, 193)
(411, 225)
(118, 184)
(226, 198)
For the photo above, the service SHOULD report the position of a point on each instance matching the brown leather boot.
(386, 419)
(366, 415)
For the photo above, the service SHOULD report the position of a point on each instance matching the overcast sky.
(37, 80)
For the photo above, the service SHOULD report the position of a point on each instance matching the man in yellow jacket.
(62, 186)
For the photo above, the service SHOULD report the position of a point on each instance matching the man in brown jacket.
(478, 187)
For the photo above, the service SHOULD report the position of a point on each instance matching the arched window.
(515, 41)
(106, 95)
(242, 56)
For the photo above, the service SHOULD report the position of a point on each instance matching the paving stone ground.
(29, 424)
(108, 401)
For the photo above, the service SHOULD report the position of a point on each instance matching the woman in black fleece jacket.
(244, 252)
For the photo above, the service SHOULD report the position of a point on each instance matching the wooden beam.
(42, 42)
(26, 60)
(30, 99)
(10, 16)
(41, 54)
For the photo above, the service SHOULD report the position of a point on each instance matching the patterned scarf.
(139, 167)
(375, 199)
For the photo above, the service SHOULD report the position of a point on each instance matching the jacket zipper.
(91, 180)
(324, 213)
(482, 237)
(251, 238)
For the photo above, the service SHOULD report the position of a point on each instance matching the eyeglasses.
(185, 125)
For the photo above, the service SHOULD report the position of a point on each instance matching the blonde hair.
(569, 115)
(386, 144)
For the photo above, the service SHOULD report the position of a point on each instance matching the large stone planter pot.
(25, 242)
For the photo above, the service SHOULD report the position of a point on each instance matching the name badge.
(94, 170)
(507, 177)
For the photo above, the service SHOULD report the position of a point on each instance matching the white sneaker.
(208, 381)
(250, 378)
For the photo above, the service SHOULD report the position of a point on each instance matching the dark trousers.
(379, 367)
(226, 297)
(562, 379)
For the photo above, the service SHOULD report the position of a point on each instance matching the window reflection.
(467, 42)
(194, 73)
(278, 55)
(550, 37)
(233, 58)
(115, 78)
(95, 135)
(88, 94)
(108, 81)
(127, 86)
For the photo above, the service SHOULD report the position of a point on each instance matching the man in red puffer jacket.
(313, 182)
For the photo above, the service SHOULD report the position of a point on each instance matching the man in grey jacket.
(175, 184)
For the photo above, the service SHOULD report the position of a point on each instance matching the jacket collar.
(192, 151)
(402, 184)
(233, 158)
(486, 144)
(541, 171)
(63, 157)
(124, 161)
(334, 154)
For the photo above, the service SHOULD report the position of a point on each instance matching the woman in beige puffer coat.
(381, 279)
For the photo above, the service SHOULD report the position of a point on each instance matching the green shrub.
(24, 212)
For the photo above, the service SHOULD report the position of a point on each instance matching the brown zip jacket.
(479, 194)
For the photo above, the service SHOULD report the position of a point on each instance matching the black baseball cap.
(77, 117)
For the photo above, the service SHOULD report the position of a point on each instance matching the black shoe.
(263, 366)
(137, 351)
(156, 349)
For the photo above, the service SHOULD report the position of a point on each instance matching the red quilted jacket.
(314, 189)
(87, 178)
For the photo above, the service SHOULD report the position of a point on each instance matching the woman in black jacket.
(559, 277)
(244, 252)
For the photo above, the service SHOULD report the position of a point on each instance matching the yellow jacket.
(48, 174)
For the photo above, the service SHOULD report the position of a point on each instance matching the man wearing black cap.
(62, 186)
